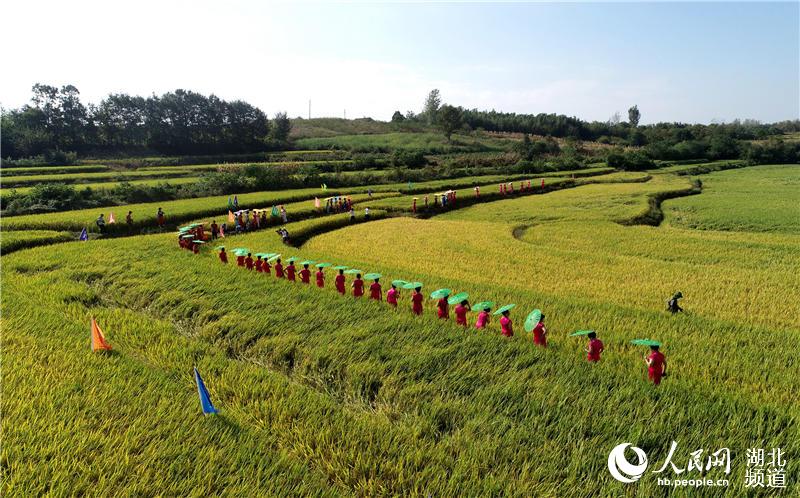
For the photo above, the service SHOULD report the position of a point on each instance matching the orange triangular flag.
(231, 219)
(111, 218)
(98, 339)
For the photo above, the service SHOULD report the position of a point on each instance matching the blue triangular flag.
(205, 399)
(84, 235)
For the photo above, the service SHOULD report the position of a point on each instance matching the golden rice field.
(326, 395)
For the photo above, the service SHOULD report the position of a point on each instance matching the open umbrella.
(372, 276)
(352, 271)
(461, 296)
(532, 319)
(504, 308)
(323, 265)
(412, 285)
(399, 283)
(199, 241)
(219, 248)
(483, 305)
(291, 259)
(440, 293)
(581, 332)
(241, 249)
(340, 267)
(645, 342)
(307, 262)
(273, 258)
(188, 236)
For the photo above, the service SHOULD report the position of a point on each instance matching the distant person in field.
(595, 348)
(259, 264)
(416, 301)
(129, 220)
(506, 326)
(672, 304)
(240, 259)
(278, 268)
(540, 333)
(195, 248)
(443, 309)
(461, 312)
(392, 295)
(290, 271)
(483, 318)
(101, 223)
(366, 213)
(263, 219)
(223, 256)
(161, 218)
(339, 282)
(352, 215)
(656, 365)
(214, 230)
(375, 291)
(358, 286)
(248, 261)
(305, 274)
(320, 278)
(284, 215)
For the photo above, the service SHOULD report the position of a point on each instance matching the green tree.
(398, 117)
(431, 107)
(449, 119)
(634, 115)
(281, 126)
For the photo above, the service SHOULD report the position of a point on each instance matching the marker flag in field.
(274, 212)
(231, 219)
(324, 187)
(316, 202)
(205, 399)
(236, 201)
(98, 339)
(230, 203)
(84, 235)
(111, 218)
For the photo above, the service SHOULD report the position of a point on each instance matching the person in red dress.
(259, 264)
(320, 278)
(506, 327)
(392, 295)
(248, 261)
(483, 319)
(278, 268)
(339, 282)
(290, 272)
(375, 291)
(461, 313)
(416, 301)
(223, 256)
(195, 248)
(540, 333)
(595, 348)
(240, 259)
(265, 266)
(656, 365)
(358, 286)
(443, 309)
(305, 274)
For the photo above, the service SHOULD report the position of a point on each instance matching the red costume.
(223, 256)
(339, 283)
(259, 265)
(240, 260)
(279, 270)
(248, 262)
(506, 328)
(655, 370)
(320, 279)
(358, 287)
(375, 291)
(305, 276)
(391, 297)
(416, 303)
(443, 310)
(539, 337)
(290, 270)
(595, 348)
(461, 315)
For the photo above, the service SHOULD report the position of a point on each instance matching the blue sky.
(680, 61)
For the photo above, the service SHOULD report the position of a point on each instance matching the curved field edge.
(18, 240)
(379, 403)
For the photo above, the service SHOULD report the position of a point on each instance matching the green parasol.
(188, 236)
(352, 271)
(262, 255)
(199, 241)
(532, 319)
(323, 265)
(412, 285)
(399, 283)
(581, 332)
(483, 305)
(219, 248)
(291, 259)
(504, 308)
(273, 258)
(241, 249)
(372, 276)
(440, 293)
(461, 296)
(340, 267)
(306, 262)
(239, 252)
(645, 342)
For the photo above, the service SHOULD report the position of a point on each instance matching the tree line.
(56, 123)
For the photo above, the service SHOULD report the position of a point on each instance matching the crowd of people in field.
(270, 264)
